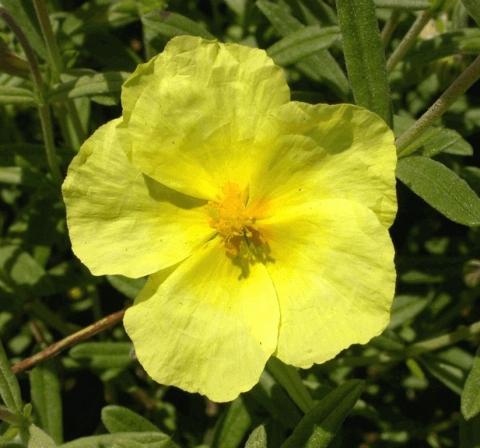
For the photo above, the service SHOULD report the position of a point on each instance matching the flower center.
(235, 222)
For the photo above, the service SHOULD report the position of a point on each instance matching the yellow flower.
(262, 223)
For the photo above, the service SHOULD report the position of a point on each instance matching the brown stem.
(75, 338)
(409, 39)
(458, 87)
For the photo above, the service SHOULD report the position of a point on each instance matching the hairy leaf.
(46, 398)
(258, 438)
(320, 66)
(9, 388)
(365, 56)
(470, 398)
(121, 419)
(303, 43)
(441, 188)
(318, 427)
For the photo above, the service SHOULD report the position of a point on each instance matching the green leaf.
(16, 95)
(146, 6)
(320, 66)
(462, 41)
(470, 398)
(365, 56)
(405, 308)
(272, 397)
(436, 140)
(258, 438)
(470, 433)
(9, 388)
(237, 6)
(234, 425)
(94, 85)
(144, 439)
(20, 273)
(121, 419)
(103, 355)
(473, 8)
(289, 378)
(11, 175)
(130, 287)
(318, 427)
(170, 24)
(39, 438)
(303, 43)
(24, 14)
(441, 188)
(46, 399)
(450, 367)
(403, 4)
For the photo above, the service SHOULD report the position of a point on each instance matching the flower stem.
(43, 108)
(51, 44)
(81, 335)
(409, 39)
(466, 79)
(429, 345)
(444, 340)
(390, 27)
(56, 63)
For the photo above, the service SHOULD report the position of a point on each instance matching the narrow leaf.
(405, 308)
(403, 4)
(170, 24)
(272, 397)
(437, 140)
(450, 367)
(121, 419)
(24, 275)
(470, 397)
(39, 438)
(318, 427)
(470, 433)
(433, 141)
(303, 43)
(258, 438)
(473, 8)
(130, 287)
(16, 95)
(144, 439)
(46, 399)
(441, 188)
(11, 175)
(234, 425)
(89, 86)
(9, 388)
(24, 14)
(103, 355)
(365, 56)
(289, 378)
(320, 66)
(462, 41)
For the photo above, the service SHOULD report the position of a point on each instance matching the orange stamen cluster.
(234, 220)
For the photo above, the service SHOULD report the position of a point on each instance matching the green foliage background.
(417, 385)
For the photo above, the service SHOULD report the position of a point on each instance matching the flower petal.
(334, 276)
(206, 328)
(122, 222)
(339, 151)
(193, 125)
